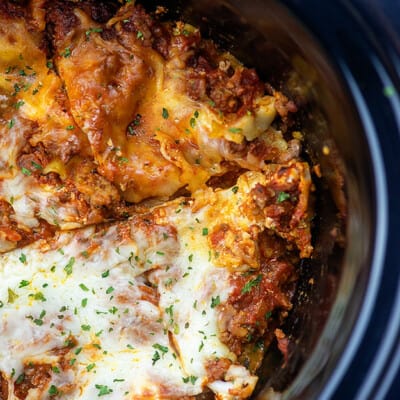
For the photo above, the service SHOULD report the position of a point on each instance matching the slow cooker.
(342, 60)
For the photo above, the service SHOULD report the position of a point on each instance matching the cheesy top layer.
(130, 309)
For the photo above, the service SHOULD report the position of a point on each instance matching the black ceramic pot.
(341, 62)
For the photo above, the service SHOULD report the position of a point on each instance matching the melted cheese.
(127, 310)
(109, 82)
(90, 286)
(32, 112)
(31, 89)
(78, 118)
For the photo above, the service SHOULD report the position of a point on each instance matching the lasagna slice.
(176, 303)
(48, 178)
(102, 111)
(161, 107)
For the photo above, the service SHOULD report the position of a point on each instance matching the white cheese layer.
(129, 310)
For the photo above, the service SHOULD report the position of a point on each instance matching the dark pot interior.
(265, 35)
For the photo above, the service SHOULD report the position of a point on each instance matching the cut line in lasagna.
(154, 207)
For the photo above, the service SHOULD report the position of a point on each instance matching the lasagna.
(154, 207)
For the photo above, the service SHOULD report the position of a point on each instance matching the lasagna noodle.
(44, 154)
(147, 134)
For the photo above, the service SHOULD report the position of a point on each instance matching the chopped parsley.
(282, 196)
(26, 171)
(90, 367)
(85, 254)
(68, 267)
(22, 258)
(163, 349)
(103, 390)
(110, 290)
(12, 296)
(53, 390)
(66, 53)
(170, 310)
(84, 302)
(113, 310)
(23, 283)
(85, 327)
(205, 231)
(139, 35)
(20, 379)
(215, 301)
(156, 357)
(105, 274)
(19, 104)
(36, 165)
(84, 287)
(235, 189)
(122, 160)
(235, 130)
(192, 379)
(252, 283)
(165, 113)
(39, 296)
(70, 127)
(90, 30)
(38, 321)
(168, 282)
(136, 121)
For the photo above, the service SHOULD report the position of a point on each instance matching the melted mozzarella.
(137, 300)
